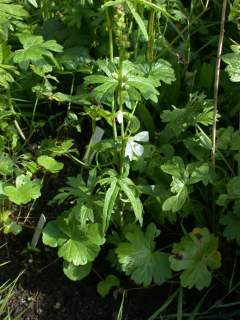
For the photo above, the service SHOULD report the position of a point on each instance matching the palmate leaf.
(160, 71)
(6, 164)
(198, 110)
(182, 177)
(107, 284)
(10, 15)
(197, 256)
(25, 190)
(139, 259)
(233, 63)
(135, 84)
(84, 203)
(231, 222)
(76, 244)
(35, 48)
(76, 273)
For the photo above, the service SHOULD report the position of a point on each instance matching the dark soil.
(44, 293)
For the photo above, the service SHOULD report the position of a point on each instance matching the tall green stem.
(150, 43)
(120, 101)
(110, 41)
(110, 33)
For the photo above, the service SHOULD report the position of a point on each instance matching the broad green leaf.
(76, 273)
(199, 172)
(109, 202)
(105, 286)
(77, 244)
(233, 64)
(25, 191)
(198, 110)
(196, 255)
(174, 167)
(35, 48)
(139, 259)
(6, 165)
(175, 203)
(160, 71)
(50, 164)
(133, 199)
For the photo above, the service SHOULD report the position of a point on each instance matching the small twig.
(216, 81)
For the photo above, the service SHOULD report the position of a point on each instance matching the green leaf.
(175, 203)
(232, 229)
(77, 244)
(76, 273)
(198, 110)
(133, 199)
(160, 71)
(139, 259)
(233, 64)
(33, 3)
(25, 190)
(6, 165)
(109, 202)
(50, 164)
(197, 256)
(199, 172)
(174, 167)
(35, 48)
(138, 19)
(233, 188)
(105, 286)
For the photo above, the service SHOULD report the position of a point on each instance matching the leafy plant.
(140, 260)
(197, 256)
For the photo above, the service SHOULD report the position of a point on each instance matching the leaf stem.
(150, 43)
(216, 81)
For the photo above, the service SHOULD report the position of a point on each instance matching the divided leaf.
(77, 244)
(139, 259)
(76, 273)
(25, 190)
(35, 48)
(105, 286)
(197, 256)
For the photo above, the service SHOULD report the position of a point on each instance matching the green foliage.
(232, 61)
(182, 178)
(197, 255)
(108, 108)
(24, 190)
(139, 259)
(77, 244)
(105, 286)
(50, 164)
(7, 225)
(35, 49)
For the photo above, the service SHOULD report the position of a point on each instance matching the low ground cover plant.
(120, 120)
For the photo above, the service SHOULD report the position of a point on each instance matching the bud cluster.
(120, 27)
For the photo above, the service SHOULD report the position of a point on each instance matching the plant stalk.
(150, 43)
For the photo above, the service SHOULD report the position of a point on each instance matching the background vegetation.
(120, 126)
